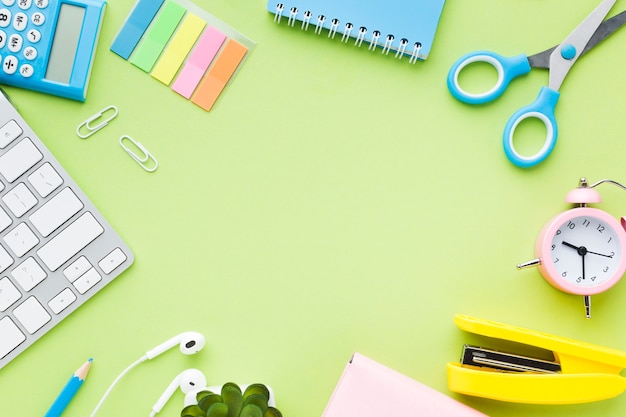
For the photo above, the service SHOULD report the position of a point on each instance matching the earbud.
(189, 342)
(189, 381)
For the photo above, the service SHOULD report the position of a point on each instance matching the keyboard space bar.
(69, 241)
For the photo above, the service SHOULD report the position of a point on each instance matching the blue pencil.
(70, 389)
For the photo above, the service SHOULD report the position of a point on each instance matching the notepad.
(184, 47)
(369, 389)
(403, 27)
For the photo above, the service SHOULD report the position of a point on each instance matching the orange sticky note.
(216, 79)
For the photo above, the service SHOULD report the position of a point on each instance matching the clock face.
(585, 252)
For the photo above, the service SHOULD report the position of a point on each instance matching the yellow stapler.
(578, 372)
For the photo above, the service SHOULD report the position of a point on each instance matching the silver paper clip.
(87, 124)
(145, 159)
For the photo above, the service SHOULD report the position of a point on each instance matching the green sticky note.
(157, 36)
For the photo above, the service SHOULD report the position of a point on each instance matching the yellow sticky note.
(180, 45)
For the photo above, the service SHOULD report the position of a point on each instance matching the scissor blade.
(578, 40)
(607, 28)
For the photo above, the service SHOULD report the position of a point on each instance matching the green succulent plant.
(231, 402)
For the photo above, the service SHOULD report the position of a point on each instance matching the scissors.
(558, 60)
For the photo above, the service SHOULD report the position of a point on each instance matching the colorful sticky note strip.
(184, 47)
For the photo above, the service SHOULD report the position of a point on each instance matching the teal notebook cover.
(401, 27)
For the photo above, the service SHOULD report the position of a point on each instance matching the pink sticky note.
(201, 57)
(370, 389)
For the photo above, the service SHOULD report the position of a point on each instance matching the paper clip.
(145, 159)
(86, 125)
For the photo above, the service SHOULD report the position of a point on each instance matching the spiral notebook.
(402, 27)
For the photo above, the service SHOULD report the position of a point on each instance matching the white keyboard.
(56, 249)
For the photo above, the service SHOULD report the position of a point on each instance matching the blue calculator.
(49, 45)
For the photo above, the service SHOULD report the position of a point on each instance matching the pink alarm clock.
(582, 250)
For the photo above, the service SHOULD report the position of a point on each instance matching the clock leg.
(587, 301)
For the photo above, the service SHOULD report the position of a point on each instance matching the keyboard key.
(69, 241)
(87, 280)
(28, 274)
(9, 132)
(45, 179)
(5, 220)
(31, 315)
(9, 294)
(21, 239)
(77, 268)
(19, 159)
(112, 261)
(10, 336)
(55, 212)
(5, 259)
(61, 301)
(19, 200)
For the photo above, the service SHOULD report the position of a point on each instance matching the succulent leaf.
(192, 411)
(257, 399)
(251, 410)
(233, 398)
(257, 389)
(209, 400)
(217, 410)
(272, 412)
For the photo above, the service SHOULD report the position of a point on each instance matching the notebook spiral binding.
(374, 41)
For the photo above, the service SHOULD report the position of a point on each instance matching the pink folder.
(368, 389)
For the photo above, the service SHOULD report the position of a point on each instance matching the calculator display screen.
(65, 43)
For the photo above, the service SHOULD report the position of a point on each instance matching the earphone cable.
(120, 376)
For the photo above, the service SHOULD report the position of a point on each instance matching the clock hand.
(582, 251)
(600, 254)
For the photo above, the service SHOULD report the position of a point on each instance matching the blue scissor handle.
(543, 109)
(508, 68)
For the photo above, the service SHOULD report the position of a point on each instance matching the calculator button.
(38, 18)
(34, 35)
(42, 4)
(20, 20)
(24, 4)
(8, 2)
(30, 53)
(3, 39)
(5, 18)
(15, 43)
(9, 132)
(10, 64)
(26, 70)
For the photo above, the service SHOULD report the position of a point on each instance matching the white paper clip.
(87, 124)
(145, 159)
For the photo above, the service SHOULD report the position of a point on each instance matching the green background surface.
(334, 200)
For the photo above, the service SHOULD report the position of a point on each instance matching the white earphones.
(188, 342)
(190, 382)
